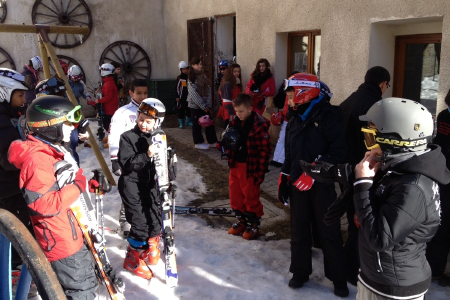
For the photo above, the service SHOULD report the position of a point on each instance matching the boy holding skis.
(137, 187)
(51, 120)
(248, 147)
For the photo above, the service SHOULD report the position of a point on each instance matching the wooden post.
(44, 57)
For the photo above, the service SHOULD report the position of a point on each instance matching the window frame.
(311, 46)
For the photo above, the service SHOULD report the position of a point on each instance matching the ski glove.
(116, 167)
(304, 182)
(283, 188)
(80, 181)
(328, 173)
(93, 185)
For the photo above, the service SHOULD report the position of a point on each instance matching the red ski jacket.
(54, 224)
(110, 98)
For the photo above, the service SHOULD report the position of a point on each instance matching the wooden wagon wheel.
(133, 59)
(70, 61)
(3, 11)
(70, 13)
(6, 60)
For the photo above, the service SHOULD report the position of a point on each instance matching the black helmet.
(231, 138)
(52, 86)
(46, 114)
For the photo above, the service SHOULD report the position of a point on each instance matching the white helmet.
(75, 73)
(106, 69)
(182, 64)
(154, 108)
(10, 81)
(36, 63)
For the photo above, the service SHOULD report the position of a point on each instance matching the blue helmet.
(223, 63)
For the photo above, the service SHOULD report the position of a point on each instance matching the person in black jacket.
(396, 197)
(439, 247)
(376, 82)
(314, 132)
(12, 105)
(137, 188)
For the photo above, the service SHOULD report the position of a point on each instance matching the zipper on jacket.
(379, 268)
(72, 225)
(47, 235)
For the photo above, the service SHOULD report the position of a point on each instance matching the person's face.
(262, 67)
(146, 123)
(290, 95)
(140, 93)
(118, 70)
(18, 99)
(185, 70)
(384, 86)
(198, 66)
(67, 128)
(236, 72)
(243, 112)
(223, 69)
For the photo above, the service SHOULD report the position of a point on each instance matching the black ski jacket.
(357, 104)
(9, 175)
(399, 213)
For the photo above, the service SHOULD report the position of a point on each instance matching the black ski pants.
(197, 135)
(351, 249)
(141, 208)
(307, 207)
(183, 109)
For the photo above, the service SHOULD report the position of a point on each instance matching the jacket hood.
(20, 151)
(431, 164)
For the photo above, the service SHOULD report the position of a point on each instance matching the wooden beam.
(48, 28)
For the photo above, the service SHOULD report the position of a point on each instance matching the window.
(304, 52)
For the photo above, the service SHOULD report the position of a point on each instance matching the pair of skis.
(197, 210)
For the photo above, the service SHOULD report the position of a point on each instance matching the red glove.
(304, 182)
(91, 103)
(80, 181)
(93, 185)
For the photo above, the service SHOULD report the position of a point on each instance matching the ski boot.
(239, 227)
(188, 122)
(181, 122)
(253, 225)
(135, 262)
(153, 250)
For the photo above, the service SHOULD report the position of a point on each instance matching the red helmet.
(64, 66)
(307, 87)
(205, 121)
(277, 118)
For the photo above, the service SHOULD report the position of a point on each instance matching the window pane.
(317, 46)
(299, 54)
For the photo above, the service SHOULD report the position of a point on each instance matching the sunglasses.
(149, 110)
(370, 137)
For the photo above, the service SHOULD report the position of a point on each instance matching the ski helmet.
(277, 118)
(36, 63)
(307, 87)
(182, 65)
(106, 69)
(64, 66)
(46, 115)
(205, 121)
(223, 63)
(401, 125)
(11, 81)
(52, 86)
(154, 108)
(231, 138)
(75, 73)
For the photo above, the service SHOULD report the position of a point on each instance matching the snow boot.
(188, 122)
(181, 122)
(239, 227)
(135, 262)
(340, 288)
(253, 225)
(153, 250)
(297, 281)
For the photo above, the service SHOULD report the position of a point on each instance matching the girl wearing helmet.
(182, 92)
(137, 188)
(76, 83)
(110, 94)
(261, 85)
(229, 88)
(32, 70)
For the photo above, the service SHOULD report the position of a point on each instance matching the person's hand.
(88, 99)
(368, 166)
(177, 99)
(207, 110)
(283, 188)
(83, 136)
(152, 149)
(80, 181)
(116, 167)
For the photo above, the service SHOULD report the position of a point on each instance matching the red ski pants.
(244, 194)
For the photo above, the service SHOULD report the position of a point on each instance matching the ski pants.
(244, 194)
(305, 206)
(183, 110)
(76, 275)
(439, 247)
(141, 208)
(278, 154)
(197, 135)
(106, 122)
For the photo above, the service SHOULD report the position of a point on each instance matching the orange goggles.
(370, 137)
(149, 110)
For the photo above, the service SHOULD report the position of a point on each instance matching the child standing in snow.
(137, 187)
(248, 147)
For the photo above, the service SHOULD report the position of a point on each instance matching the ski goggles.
(370, 137)
(73, 116)
(149, 110)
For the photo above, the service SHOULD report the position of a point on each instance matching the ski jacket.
(194, 99)
(266, 89)
(442, 136)
(258, 145)
(182, 89)
(227, 94)
(124, 119)
(30, 95)
(320, 136)
(357, 104)
(9, 174)
(136, 165)
(78, 89)
(398, 211)
(110, 99)
(54, 224)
